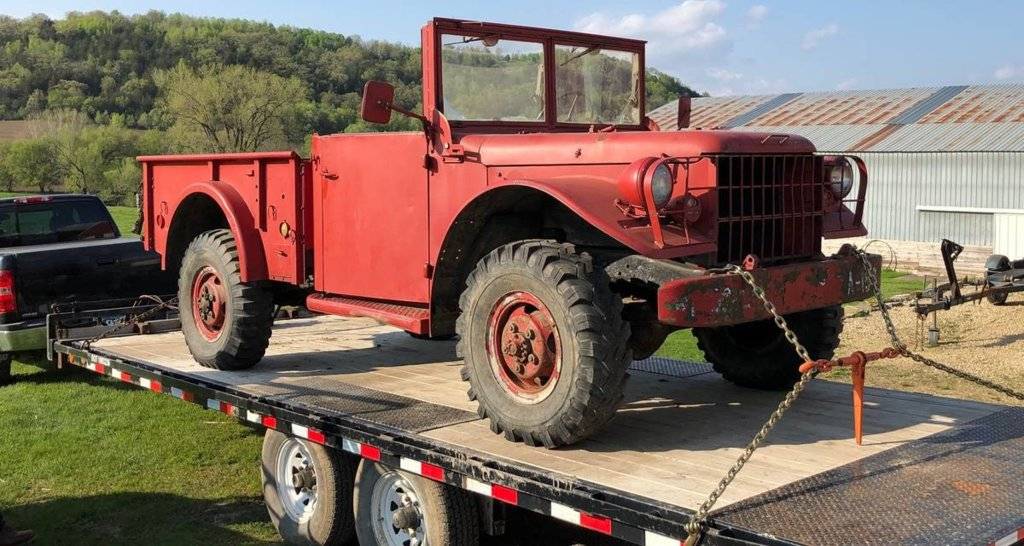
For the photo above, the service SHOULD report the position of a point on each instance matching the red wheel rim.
(209, 302)
(524, 347)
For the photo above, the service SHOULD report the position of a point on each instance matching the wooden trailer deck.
(679, 430)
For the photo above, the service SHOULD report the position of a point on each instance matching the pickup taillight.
(8, 302)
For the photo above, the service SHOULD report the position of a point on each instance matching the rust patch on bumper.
(722, 300)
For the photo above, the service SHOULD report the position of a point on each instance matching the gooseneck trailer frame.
(932, 470)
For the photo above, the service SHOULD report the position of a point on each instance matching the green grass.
(87, 460)
(896, 282)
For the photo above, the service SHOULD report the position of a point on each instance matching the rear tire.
(5, 368)
(384, 497)
(757, 354)
(226, 322)
(542, 300)
(327, 519)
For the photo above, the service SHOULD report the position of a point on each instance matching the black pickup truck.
(60, 249)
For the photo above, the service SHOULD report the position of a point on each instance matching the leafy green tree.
(663, 88)
(33, 163)
(6, 178)
(230, 108)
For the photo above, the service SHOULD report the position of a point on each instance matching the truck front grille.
(770, 206)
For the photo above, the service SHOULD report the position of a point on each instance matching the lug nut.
(530, 334)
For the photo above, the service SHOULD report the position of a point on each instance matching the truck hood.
(623, 147)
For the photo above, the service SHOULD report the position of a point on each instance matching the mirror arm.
(400, 110)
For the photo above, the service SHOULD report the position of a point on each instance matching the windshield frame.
(449, 28)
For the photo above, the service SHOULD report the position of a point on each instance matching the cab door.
(370, 218)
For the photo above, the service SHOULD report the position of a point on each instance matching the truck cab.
(539, 215)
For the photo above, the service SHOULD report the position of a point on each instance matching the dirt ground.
(983, 339)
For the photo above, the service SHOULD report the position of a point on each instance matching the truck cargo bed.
(931, 470)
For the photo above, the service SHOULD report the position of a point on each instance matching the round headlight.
(841, 178)
(661, 185)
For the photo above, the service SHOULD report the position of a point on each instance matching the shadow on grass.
(143, 518)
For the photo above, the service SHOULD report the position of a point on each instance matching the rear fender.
(252, 259)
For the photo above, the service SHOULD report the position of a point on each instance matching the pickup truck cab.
(58, 249)
(539, 215)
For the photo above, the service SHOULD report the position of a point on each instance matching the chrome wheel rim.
(392, 493)
(296, 480)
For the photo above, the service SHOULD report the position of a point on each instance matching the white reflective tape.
(564, 513)
(145, 383)
(90, 365)
(103, 360)
(177, 393)
(253, 417)
(654, 539)
(300, 431)
(213, 404)
(478, 487)
(350, 446)
(1008, 540)
(410, 465)
(114, 372)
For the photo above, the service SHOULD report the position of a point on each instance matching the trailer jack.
(857, 362)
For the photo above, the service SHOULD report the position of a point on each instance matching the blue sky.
(719, 46)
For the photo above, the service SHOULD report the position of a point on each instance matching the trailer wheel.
(757, 354)
(994, 264)
(5, 368)
(226, 322)
(544, 343)
(396, 508)
(308, 490)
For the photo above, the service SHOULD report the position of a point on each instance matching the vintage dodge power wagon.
(539, 216)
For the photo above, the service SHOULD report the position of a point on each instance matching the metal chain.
(693, 527)
(898, 344)
(132, 321)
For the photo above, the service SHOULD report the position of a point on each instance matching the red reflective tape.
(155, 386)
(369, 452)
(596, 523)
(316, 436)
(227, 408)
(1020, 534)
(505, 494)
(100, 368)
(269, 421)
(125, 376)
(433, 472)
(187, 396)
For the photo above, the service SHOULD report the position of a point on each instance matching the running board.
(406, 317)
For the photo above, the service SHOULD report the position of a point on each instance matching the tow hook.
(857, 362)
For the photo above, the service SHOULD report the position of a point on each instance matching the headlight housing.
(661, 185)
(841, 178)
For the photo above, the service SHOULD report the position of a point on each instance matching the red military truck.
(539, 215)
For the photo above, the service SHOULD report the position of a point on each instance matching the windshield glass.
(487, 79)
(23, 224)
(597, 85)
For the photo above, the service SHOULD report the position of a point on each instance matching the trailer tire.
(995, 264)
(330, 521)
(583, 344)
(5, 368)
(444, 515)
(757, 355)
(236, 331)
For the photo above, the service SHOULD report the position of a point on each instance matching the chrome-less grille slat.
(770, 206)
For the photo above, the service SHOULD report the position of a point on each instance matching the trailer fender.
(253, 262)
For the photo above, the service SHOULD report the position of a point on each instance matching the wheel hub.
(209, 302)
(396, 514)
(524, 344)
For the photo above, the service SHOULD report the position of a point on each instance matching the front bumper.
(29, 335)
(723, 300)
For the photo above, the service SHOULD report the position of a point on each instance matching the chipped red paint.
(721, 300)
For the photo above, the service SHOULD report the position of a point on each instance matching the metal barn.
(943, 162)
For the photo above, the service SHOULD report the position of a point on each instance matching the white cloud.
(724, 75)
(755, 15)
(846, 85)
(814, 37)
(681, 28)
(1008, 71)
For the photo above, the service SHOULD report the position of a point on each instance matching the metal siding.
(1008, 235)
(824, 137)
(845, 107)
(953, 137)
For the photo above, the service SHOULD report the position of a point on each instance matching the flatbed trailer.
(931, 470)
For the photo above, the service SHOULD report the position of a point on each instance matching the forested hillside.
(102, 87)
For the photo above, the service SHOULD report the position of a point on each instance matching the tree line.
(105, 86)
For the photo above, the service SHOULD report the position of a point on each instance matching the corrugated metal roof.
(953, 118)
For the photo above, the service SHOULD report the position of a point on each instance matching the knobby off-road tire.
(757, 355)
(580, 329)
(329, 520)
(445, 515)
(239, 336)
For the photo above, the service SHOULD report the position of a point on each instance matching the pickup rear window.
(57, 221)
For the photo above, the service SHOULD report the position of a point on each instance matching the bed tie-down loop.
(857, 362)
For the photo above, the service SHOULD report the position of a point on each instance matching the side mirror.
(377, 99)
(683, 116)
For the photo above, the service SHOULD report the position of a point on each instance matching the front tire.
(544, 343)
(226, 322)
(757, 354)
(308, 490)
(392, 507)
